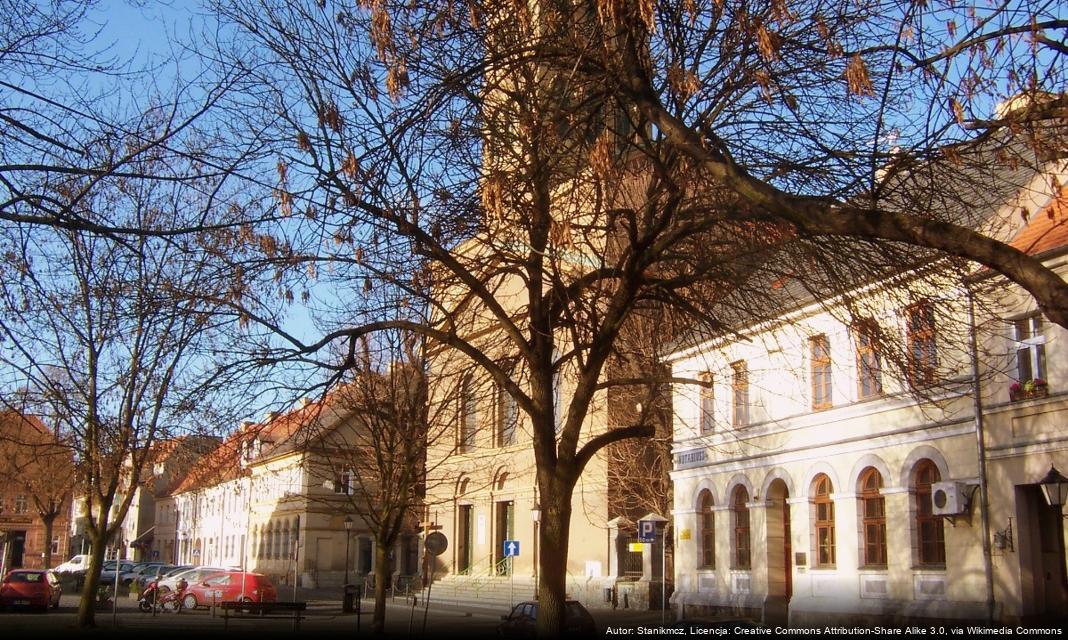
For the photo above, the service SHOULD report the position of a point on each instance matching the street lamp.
(535, 515)
(1054, 487)
(348, 536)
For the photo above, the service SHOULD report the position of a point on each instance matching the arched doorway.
(779, 559)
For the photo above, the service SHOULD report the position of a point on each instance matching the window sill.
(929, 568)
(874, 568)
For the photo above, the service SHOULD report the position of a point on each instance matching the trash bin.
(352, 592)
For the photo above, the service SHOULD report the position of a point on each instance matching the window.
(468, 414)
(55, 545)
(507, 417)
(708, 404)
(1030, 349)
(819, 350)
(21, 504)
(922, 352)
(740, 389)
(930, 537)
(869, 366)
(740, 511)
(824, 511)
(343, 483)
(706, 520)
(873, 513)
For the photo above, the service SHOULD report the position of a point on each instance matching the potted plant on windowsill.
(1036, 388)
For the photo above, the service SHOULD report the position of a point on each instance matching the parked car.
(30, 588)
(224, 586)
(194, 575)
(522, 621)
(140, 569)
(154, 572)
(77, 564)
(107, 572)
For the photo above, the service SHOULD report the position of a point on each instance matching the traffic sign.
(647, 530)
(511, 548)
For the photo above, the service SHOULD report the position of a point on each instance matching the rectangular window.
(708, 404)
(507, 418)
(1030, 348)
(21, 504)
(55, 545)
(740, 389)
(343, 483)
(869, 365)
(820, 355)
(922, 351)
(468, 414)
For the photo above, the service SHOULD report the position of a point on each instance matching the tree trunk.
(552, 562)
(87, 605)
(378, 620)
(48, 521)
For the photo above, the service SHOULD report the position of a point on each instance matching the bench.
(262, 610)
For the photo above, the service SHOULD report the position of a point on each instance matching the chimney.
(270, 415)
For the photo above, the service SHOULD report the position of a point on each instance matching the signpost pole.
(663, 577)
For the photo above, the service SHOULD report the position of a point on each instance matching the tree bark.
(378, 620)
(87, 605)
(48, 520)
(553, 540)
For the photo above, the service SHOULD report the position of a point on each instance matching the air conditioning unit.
(950, 498)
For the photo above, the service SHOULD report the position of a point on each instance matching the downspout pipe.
(980, 441)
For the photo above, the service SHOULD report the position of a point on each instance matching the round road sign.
(436, 543)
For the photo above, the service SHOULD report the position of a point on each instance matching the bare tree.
(560, 171)
(377, 462)
(35, 461)
(118, 347)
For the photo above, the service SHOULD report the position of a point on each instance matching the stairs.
(488, 594)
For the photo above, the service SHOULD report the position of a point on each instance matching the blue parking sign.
(646, 531)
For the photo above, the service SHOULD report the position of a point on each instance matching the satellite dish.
(436, 543)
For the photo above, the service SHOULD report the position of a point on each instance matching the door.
(788, 561)
(505, 530)
(464, 524)
(18, 549)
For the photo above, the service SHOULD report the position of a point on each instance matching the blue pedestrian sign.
(646, 531)
(511, 548)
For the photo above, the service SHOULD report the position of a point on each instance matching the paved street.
(324, 619)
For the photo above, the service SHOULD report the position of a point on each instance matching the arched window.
(706, 520)
(930, 536)
(285, 541)
(873, 514)
(823, 507)
(740, 512)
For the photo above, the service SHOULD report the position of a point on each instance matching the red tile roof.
(279, 434)
(1047, 229)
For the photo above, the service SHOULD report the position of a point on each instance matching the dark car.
(522, 621)
(30, 588)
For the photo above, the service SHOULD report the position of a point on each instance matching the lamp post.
(535, 516)
(348, 537)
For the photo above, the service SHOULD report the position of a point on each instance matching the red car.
(229, 586)
(30, 588)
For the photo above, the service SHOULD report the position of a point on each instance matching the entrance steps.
(489, 594)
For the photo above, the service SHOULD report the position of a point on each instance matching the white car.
(191, 576)
(77, 564)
